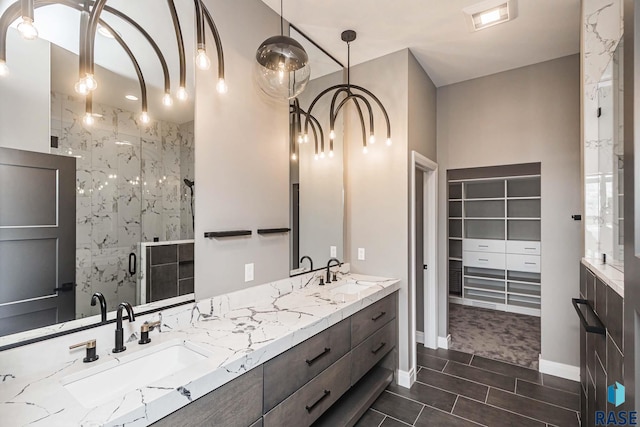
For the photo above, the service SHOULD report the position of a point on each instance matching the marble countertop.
(239, 331)
(610, 275)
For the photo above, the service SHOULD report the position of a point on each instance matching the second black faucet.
(120, 347)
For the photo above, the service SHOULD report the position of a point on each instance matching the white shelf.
(454, 259)
(480, 288)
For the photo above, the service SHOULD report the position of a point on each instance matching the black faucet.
(119, 332)
(103, 305)
(310, 261)
(337, 261)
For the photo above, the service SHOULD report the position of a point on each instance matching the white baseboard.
(406, 379)
(444, 342)
(420, 337)
(562, 370)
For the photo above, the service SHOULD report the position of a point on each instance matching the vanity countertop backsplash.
(234, 332)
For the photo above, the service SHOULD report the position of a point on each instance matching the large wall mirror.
(134, 181)
(316, 173)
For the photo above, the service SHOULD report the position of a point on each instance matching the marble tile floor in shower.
(460, 389)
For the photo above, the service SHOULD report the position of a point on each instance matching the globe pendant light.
(282, 70)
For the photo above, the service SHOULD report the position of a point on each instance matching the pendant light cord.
(348, 65)
(281, 20)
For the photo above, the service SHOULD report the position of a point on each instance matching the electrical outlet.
(361, 254)
(248, 272)
(334, 251)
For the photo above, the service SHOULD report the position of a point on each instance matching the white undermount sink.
(99, 385)
(352, 287)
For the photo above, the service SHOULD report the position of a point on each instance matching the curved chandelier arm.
(10, 14)
(375, 98)
(317, 123)
(316, 99)
(355, 97)
(180, 42)
(199, 17)
(216, 39)
(361, 116)
(298, 120)
(94, 17)
(332, 113)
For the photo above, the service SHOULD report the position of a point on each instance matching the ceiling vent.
(489, 13)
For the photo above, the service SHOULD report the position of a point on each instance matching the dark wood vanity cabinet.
(601, 355)
(305, 382)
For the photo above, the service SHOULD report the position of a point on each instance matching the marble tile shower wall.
(129, 188)
(602, 28)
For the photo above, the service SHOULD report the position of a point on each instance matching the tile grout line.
(454, 404)
(445, 366)
(522, 415)
(418, 417)
(466, 379)
(381, 422)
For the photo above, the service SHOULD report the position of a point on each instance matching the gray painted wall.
(242, 161)
(377, 183)
(422, 139)
(531, 114)
(25, 105)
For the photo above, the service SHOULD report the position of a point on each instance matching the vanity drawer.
(307, 404)
(372, 318)
(523, 247)
(292, 369)
(529, 263)
(372, 350)
(483, 260)
(483, 245)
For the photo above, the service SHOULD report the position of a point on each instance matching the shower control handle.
(132, 263)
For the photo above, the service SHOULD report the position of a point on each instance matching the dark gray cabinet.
(235, 404)
(601, 356)
(302, 384)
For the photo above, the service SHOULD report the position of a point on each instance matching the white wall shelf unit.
(494, 243)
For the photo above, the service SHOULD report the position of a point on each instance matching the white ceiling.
(437, 33)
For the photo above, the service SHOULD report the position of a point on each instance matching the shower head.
(189, 183)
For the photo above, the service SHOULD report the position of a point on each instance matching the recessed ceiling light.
(105, 33)
(98, 115)
(489, 13)
(131, 97)
(123, 143)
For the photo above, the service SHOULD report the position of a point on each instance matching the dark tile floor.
(459, 389)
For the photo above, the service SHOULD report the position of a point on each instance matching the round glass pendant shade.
(282, 70)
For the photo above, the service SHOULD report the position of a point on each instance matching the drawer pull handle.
(375, 318)
(380, 347)
(530, 263)
(483, 246)
(318, 357)
(530, 249)
(317, 402)
(483, 259)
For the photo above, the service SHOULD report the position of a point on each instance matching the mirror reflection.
(134, 181)
(316, 179)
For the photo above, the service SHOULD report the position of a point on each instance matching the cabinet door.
(235, 404)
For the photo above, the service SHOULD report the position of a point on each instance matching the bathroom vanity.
(286, 350)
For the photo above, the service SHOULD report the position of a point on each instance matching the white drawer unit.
(483, 245)
(484, 260)
(517, 262)
(523, 247)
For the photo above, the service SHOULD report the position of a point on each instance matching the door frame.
(430, 169)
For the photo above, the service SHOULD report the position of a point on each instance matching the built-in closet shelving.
(494, 243)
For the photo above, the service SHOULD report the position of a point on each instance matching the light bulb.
(144, 117)
(27, 30)
(167, 100)
(90, 82)
(322, 155)
(300, 139)
(388, 141)
(222, 87)
(365, 150)
(88, 119)
(293, 156)
(315, 157)
(281, 72)
(306, 138)
(372, 139)
(332, 134)
(331, 153)
(4, 69)
(182, 94)
(202, 60)
(81, 87)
